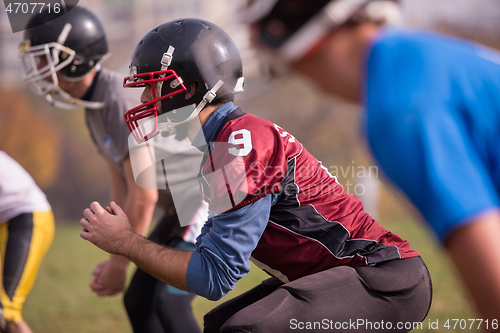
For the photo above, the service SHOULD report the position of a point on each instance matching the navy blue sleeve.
(224, 248)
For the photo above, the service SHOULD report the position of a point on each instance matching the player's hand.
(106, 231)
(109, 279)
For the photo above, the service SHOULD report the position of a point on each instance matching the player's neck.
(342, 59)
(194, 127)
(206, 112)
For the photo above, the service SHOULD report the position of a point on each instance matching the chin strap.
(168, 128)
(58, 104)
(72, 103)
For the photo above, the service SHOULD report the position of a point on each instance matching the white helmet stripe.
(64, 34)
(333, 14)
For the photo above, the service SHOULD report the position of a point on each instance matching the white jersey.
(18, 192)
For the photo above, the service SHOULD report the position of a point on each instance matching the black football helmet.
(291, 28)
(174, 56)
(71, 44)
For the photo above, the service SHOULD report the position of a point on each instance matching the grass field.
(61, 300)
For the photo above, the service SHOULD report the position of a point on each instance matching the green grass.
(61, 300)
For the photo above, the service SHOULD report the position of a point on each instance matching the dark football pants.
(392, 296)
(153, 306)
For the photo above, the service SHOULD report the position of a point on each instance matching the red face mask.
(135, 116)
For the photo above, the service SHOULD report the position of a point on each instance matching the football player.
(432, 114)
(26, 233)
(270, 201)
(62, 58)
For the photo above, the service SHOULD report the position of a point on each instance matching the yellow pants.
(24, 241)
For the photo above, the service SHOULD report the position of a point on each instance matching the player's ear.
(191, 90)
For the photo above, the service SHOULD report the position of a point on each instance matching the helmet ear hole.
(191, 90)
(79, 59)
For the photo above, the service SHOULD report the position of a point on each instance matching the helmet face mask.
(150, 110)
(175, 58)
(67, 47)
(41, 64)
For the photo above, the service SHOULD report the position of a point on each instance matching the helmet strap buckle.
(212, 93)
(166, 60)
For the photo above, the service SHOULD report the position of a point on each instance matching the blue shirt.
(227, 240)
(433, 123)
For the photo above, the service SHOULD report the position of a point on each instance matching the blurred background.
(55, 148)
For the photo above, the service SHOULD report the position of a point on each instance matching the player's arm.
(220, 260)
(222, 254)
(475, 250)
(139, 203)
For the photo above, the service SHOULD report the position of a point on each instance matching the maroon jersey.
(314, 224)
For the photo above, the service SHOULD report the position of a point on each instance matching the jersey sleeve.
(224, 247)
(427, 151)
(107, 126)
(118, 130)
